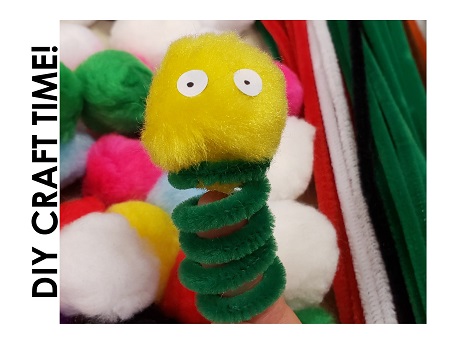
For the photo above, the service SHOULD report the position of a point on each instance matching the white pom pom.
(227, 25)
(291, 168)
(307, 246)
(77, 44)
(80, 22)
(149, 39)
(106, 269)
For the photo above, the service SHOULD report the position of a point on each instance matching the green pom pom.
(115, 87)
(314, 316)
(71, 100)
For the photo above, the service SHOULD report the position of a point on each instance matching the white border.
(32, 23)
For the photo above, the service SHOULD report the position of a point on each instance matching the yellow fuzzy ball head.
(157, 229)
(222, 122)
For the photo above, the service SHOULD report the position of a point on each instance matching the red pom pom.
(119, 169)
(74, 209)
(179, 302)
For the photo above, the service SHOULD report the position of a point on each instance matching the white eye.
(192, 83)
(248, 82)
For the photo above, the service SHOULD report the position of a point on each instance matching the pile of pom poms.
(119, 248)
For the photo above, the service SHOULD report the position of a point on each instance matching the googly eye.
(192, 83)
(248, 82)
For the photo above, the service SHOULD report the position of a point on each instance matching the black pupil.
(190, 84)
(247, 82)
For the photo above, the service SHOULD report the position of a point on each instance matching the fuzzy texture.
(230, 247)
(367, 155)
(307, 246)
(212, 173)
(227, 25)
(164, 195)
(73, 159)
(345, 287)
(294, 90)
(376, 298)
(151, 38)
(106, 270)
(245, 306)
(215, 121)
(77, 43)
(314, 315)
(80, 22)
(210, 283)
(143, 59)
(291, 169)
(72, 210)
(178, 301)
(399, 135)
(220, 123)
(118, 170)
(156, 227)
(71, 103)
(115, 86)
(151, 315)
(192, 218)
(231, 275)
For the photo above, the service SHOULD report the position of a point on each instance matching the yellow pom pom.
(156, 227)
(214, 98)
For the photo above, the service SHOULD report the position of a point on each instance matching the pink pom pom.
(119, 169)
(294, 90)
(144, 60)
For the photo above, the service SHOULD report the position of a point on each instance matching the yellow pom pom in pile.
(157, 229)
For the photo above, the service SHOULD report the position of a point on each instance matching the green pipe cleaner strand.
(241, 256)
(397, 105)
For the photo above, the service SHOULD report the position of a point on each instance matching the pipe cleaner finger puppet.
(214, 117)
